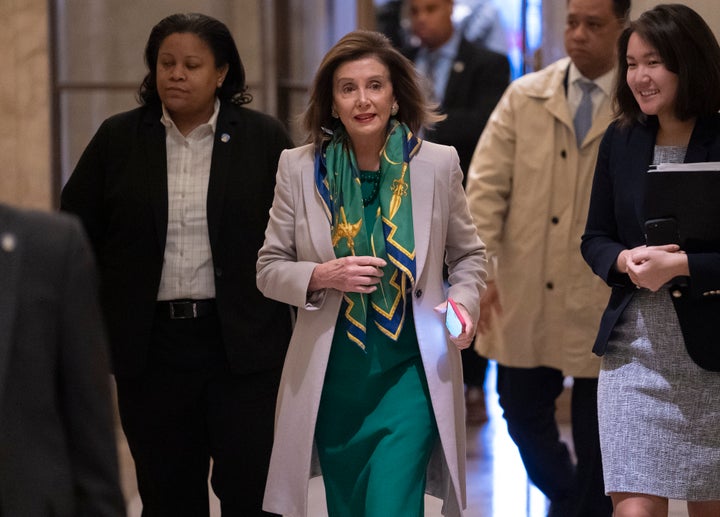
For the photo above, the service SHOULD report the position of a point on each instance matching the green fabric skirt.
(376, 428)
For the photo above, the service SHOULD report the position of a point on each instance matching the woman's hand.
(348, 274)
(465, 339)
(652, 267)
(489, 303)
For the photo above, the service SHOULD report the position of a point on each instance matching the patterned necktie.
(432, 60)
(583, 115)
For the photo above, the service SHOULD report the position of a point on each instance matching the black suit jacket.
(119, 190)
(478, 78)
(616, 222)
(57, 441)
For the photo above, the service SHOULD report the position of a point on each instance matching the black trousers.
(528, 396)
(474, 367)
(186, 409)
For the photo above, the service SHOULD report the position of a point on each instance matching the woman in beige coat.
(317, 257)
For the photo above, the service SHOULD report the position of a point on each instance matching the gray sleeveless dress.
(659, 413)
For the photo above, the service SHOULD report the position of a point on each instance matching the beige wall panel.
(24, 104)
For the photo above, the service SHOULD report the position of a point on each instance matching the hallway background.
(71, 63)
(68, 64)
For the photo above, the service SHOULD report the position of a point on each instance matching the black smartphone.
(661, 231)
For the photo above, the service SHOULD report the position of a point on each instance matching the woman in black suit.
(659, 411)
(175, 197)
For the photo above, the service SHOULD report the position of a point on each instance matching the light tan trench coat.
(296, 240)
(529, 190)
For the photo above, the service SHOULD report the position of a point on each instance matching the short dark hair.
(621, 8)
(687, 48)
(216, 35)
(415, 110)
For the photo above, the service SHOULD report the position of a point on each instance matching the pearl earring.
(334, 113)
(394, 109)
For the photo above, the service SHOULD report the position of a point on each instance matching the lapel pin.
(8, 242)
(224, 138)
(458, 67)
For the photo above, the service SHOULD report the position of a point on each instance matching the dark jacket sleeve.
(83, 194)
(601, 240)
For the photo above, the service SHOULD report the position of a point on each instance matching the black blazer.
(478, 78)
(57, 440)
(615, 222)
(119, 190)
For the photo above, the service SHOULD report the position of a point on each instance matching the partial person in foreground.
(175, 197)
(659, 410)
(362, 219)
(529, 188)
(58, 453)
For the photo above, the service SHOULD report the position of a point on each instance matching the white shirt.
(187, 265)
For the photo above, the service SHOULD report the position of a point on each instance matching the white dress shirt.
(187, 265)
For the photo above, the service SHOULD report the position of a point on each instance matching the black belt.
(185, 309)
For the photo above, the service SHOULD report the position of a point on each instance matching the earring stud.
(394, 109)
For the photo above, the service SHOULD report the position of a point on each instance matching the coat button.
(218, 272)
(563, 154)
(549, 285)
(555, 220)
(676, 293)
(418, 293)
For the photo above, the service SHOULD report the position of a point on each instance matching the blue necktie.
(432, 61)
(583, 115)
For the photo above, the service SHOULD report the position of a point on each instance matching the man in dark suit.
(467, 82)
(175, 197)
(57, 444)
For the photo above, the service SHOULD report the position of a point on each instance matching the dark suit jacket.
(478, 78)
(119, 190)
(57, 441)
(615, 221)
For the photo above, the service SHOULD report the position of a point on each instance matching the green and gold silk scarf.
(388, 236)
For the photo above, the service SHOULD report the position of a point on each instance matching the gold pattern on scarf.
(399, 189)
(345, 230)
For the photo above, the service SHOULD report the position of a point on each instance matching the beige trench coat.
(296, 240)
(529, 189)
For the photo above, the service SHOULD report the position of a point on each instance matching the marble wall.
(25, 144)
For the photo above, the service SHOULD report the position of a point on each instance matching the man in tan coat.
(529, 186)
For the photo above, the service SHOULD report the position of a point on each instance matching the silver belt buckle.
(181, 314)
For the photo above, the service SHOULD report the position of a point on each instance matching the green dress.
(376, 428)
